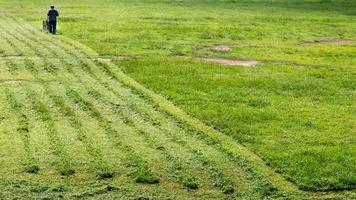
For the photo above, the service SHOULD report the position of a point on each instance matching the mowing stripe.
(63, 163)
(157, 139)
(11, 143)
(18, 41)
(100, 167)
(6, 45)
(11, 42)
(141, 168)
(71, 72)
(32, 41)
(30, 163)
(48, 42)
(98, 164)
(5, 48)
(45, 46)
(96, 98)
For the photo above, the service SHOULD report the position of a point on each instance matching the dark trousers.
(52, 27)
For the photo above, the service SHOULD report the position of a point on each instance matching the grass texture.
(282, 129)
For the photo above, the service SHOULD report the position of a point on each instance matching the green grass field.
(108, 109)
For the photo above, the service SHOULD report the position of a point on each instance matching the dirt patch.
(218, 48)
(184, 57)
(245, 63)
(337, 41)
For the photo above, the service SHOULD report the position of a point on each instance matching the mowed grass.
(295, 110)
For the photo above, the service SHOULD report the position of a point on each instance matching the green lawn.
(295, 110)
(299, 119)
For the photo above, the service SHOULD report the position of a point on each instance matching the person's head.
(52, 7)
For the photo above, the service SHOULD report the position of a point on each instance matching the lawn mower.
(45, 25)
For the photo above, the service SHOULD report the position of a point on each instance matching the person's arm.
(57, 13)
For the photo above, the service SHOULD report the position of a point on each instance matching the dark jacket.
(52, 15)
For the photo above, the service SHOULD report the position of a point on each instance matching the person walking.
(52, 19)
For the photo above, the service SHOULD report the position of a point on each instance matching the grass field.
(73, 124)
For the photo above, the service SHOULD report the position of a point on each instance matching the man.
(52, 19)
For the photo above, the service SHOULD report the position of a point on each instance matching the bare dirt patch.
(218, 48)
(336, 41)
(245, 63)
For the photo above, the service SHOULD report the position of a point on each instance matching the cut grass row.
(30, 163)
